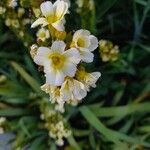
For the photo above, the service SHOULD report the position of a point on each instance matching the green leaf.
(120, 110)
(111, 135)
(15, 100)
(105, 6)
(145, 129)
(38, 144)
(142, 2)
(30, 80)
(11, 112)
(13, 89)
(73, 143)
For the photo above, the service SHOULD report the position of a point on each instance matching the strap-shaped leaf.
(111, 135)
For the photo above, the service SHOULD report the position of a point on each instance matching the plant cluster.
(64, 81)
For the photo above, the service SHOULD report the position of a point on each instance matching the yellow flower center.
(57, 92)
(57, 60)
(81, 74)
(81, 42)
(42, 34)
(51, 19)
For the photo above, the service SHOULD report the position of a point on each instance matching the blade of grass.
(11, 112)
(38, 144)
(105, 6)
(111, 135)
(145, 129)
(73, 143)
(120, 110)
(30, 80)
(142, 2)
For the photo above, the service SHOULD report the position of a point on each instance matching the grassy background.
(115, 115)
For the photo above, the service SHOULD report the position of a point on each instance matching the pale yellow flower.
(57, 62)
(85, 43)
(88, 79)
(73, 90)
(53, 14)
(108, 51)
(43, 34)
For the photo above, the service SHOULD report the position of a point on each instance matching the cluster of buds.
(55, 124)
(108, 51)
(16, 17)
(12, 3)
(13, 17)
(84, 4)
(66, 80)
(2, 10)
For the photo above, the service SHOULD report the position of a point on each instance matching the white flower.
(43, 34)
(85, 43)
(73, 90)
(53, 14)
(57, 62)
(88, 79)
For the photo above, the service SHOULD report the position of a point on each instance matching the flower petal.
(41, 55)
(69, 69)
(79, 90)
(40, 21)
(48, 66)
(53, 77)
(61, 8)
(73, 55)
(59, 78)
(66, 91)
(50, 77)
(96, 75)
(80, 32)
(47, 9)
(93, 43)
(58, 46)
(86, 55)
(92, 78)
(59, 25)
